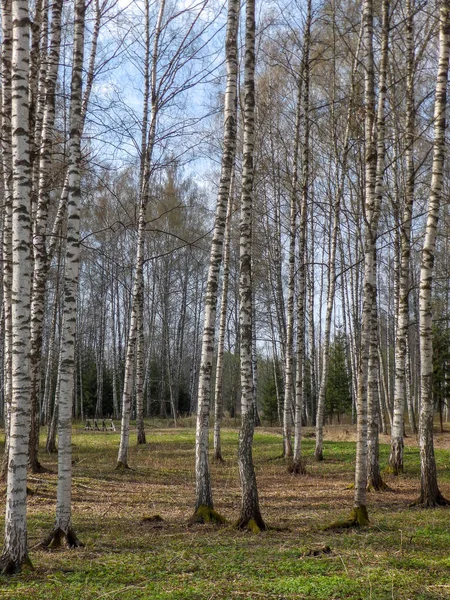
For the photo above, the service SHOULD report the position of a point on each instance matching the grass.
(404, 555)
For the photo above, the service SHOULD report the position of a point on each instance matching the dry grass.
(128, 554)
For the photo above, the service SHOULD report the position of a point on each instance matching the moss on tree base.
(394, 470)
(359, 517)
(254, 525)
(206, 514)
(57, 538)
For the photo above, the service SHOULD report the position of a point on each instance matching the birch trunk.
(298, 463)
(429, 493)
(218, 391)
(62, 529)
(401, 338)
(374, 480)
(6, 158)
(148, 140)
(359, 514)
(203, 495)
(14, 554)
(250, 516)
(331, 287)
(289, 338)
(40, 266)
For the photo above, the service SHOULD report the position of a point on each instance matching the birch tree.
(250, 515)
(401, 336)
(62, 529)
(430, 494)
(15, 553)
(204, 508)
(6, 158)
(147, 146)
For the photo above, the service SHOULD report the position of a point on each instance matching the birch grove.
(222, 216)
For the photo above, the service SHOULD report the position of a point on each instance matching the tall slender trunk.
(401, 338)
(218, 391)
(62, 529)
(14, 554)
(298, 463)
(371, 215)
(374, 479)
(290, 315)
(331, 287)
(250, 515)
(203, 494)
(429, 493)
(6, 158)
(138, 277)
(40, 266)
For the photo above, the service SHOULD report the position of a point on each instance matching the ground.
(138, 544)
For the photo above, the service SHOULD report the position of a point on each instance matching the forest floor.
(403, 555)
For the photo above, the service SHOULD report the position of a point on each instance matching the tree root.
(255, 525)
(394, 470)
(121, 466)
(379, 486)
(438, 500)
(319, 456)
(206, 514)
(358, 518)
(8, 566)
(297, 467)
(57, 537)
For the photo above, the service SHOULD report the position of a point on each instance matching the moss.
(392, 470)
(206, 514)
(359, 517)
(153, 519)
(253, 526)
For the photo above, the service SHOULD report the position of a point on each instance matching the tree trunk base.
(36, 468)
(141, 438)
(51, 448)
(122, 466)
(430, 501)
(218, 458)
(254, 524)
(58, 538)
(8, 566)
(318, 455)
(298, 467)
(378, 485)
(206, 514)
(358, 518)
(394, 469)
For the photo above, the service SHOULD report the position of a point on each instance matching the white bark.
(401, 338)
(14, 554)
(250, 512)
(203, 496)
(63, 523)
(430, 494)
(138, 277)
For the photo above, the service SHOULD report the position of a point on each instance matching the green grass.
(404, 555)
